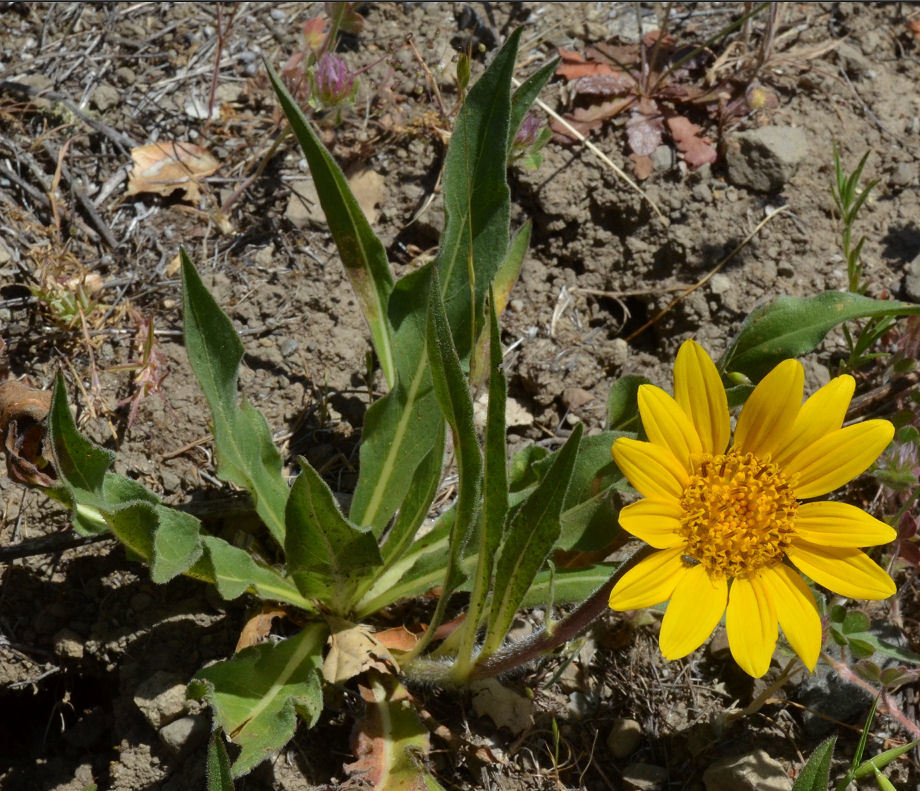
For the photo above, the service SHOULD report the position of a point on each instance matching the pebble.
(911, 284)
(161, 698)
(68, 645)
(720, 284)
(185, 733)
(105, 97)
(756, 771)
(644, 777)
(764, 159)
(619, 352)
(624, 737)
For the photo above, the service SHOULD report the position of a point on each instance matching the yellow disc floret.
(738, 514)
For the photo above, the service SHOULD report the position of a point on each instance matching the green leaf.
(882, 760)
(402, 428)
(391, 744)
(246, 455)
(815, 773)
(326, 554)
(495, 496)
(415, 507)
(623, 403)
(233, 571)
(217, 768)
(531, 534)
(568, 585)
(526, 95)
(361, 251)
(80, 465)
(792, 326)
(477, 201)
(257, 694)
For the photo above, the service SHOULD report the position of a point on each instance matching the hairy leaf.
(792, 326)
(257, 694)
(246, 455)
(815, 773)
(361, 251)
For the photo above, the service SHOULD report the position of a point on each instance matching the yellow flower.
(730, 521)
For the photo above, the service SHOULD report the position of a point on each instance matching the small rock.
(756, 771)
(303, 208)
(105, 97)
(516, 305)
(765, 159)
(505, 707)
(911, 285)
(126, 75)
(624, 737)
(289, 346)
(579, 707)
(903, 174)
(619, 352)
(228, 92)
(853, 61)
(663, 158)
(161, 698)
(720, 284)
(185, 733)
(702, 193)
(68, 645)
(264, 256)
(644, 777)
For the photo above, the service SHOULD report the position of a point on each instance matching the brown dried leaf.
(618, 55)
(561, 133)
(258, 627)
(603, 110)
(642, 166)
(23, 410)
(368, 187)
(162, 168)
(643, 129)
(352, 650)
(913, 26)
(697, 149)
(397, 639)
(609, 83)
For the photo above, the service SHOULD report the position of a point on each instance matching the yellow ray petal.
(651, 469)
(796, 610)
(650, 582)
(838, 457)
(656, 522)
(832, 524)
(667, 425)
(699, 391)
(843, 570)
(821, 414)
(770, 411)
(750, 621)
(696, 606)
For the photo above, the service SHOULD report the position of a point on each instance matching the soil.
(81, 630)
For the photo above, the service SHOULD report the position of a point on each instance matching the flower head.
(527, 132)
(730, 523)
(332, 81)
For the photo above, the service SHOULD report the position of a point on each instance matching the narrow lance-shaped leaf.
(504, 281)
(257, 695)
(793, 326)
(525, 95)
(477, 201)
(453, 396)
(246, 455)
(361, 251)
(400, 429)
(495, 495)
(81, 466)
(817, 769)
(326, 554)
(218, 771)
(530, 536)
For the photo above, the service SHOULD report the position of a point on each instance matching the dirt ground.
(85, 634)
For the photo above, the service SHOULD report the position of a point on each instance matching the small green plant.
(815, 775)
(435, 332)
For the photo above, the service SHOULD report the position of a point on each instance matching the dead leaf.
(368, 189)
(258, 627)
(562, 134)
(162, 168)
(609, 83)
(642, 166)
(644, 127)
(505, 707)
(697, 150)
(352, 650)
(397, 639)
(23, 410)
(913, 25)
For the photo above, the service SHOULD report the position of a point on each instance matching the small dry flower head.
(730, 523)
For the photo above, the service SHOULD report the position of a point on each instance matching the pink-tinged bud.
(527, 132)
(333, 82)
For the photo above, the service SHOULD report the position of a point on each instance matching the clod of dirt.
(755, 771)
(765, 159)
(161, 698)
(184, 734)
(644, 777)
(624, 737)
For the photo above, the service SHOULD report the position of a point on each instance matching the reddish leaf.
(603, 110)
(564, 135)
(573, 71)
(642, 165)
(607, 83)
(397, 639)
(697, 150)
(643, 129)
